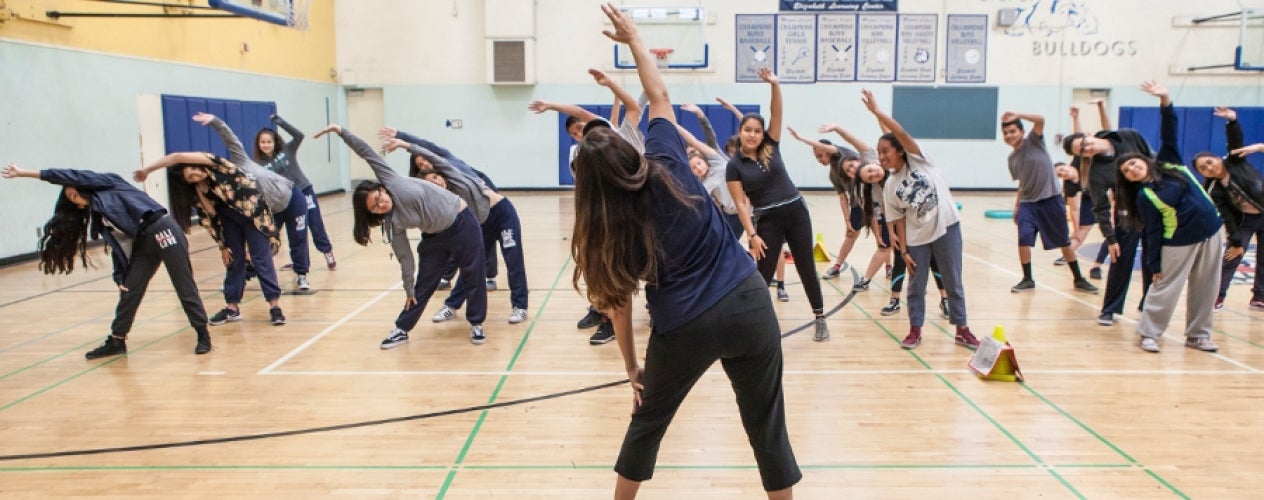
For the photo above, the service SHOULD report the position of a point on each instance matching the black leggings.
(790, 224)
(898, 274)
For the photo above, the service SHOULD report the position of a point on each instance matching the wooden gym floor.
(314, 408)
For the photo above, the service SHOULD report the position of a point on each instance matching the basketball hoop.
(297, 14)
(662, 57)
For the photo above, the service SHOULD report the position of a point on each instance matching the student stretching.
(281, 156)
(140, 234)
(1238, 191)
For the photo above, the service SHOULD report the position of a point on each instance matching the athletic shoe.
(203, 341)
(943, 308)
(444, 314)
(476, 335)
(517, 316)
(966, 338)
(604, 334)
(1082, 285)
(275, 315)
(913, 339)
(1023, 286)
(1060, 261)
(822, 332)
(1219, 306)
(831, 273)
(396, 338)
(111, 347)
(1106, 319)
(593, 318)
(861, 285)
(1095, 273)
(443, 284)
(330, 261)
(782, 295)
(1150, 345)
(491, 285)
(303, 284)
(892, 307)
(1201, 343)
(225, 315)
(287, 267)
(1257, 304)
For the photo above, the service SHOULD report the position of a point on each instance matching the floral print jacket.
(235, 189)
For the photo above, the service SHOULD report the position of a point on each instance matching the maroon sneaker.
(1257, 304)
(913, 339)
(965, 338)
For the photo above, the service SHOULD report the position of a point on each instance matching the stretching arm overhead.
(566, 109)
(296, 135)
(888, 123)
(236, 151)
(708, 133)
(856, 142)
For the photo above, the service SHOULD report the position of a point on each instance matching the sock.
(1075, 269)
(1027, 272)
(780, 284)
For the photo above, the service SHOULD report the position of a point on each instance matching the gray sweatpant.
(1199, 266)
(947, 253)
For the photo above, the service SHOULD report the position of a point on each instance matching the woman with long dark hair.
(140, 234)
(283, 197)
(758, 179)
(230, 207)
(1181, 230)
(281, 156)
(449, 230)
(924, 223)
(1237, 189)
(647, 219)
(871, 180)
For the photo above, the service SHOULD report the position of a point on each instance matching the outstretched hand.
(794, 134)
(827, 128)
(204, 118)
(766, 74)
(140, 175)
(1246, 150)
(394, 143)
(12, 170)
(1075, 112)
(1226, 113)
(599, 76)
(1154, 88)
(1008, 116)
(332, 127)
(624, 28)
(539, 106)
(691, 108)
(387, 133)
(870, 103)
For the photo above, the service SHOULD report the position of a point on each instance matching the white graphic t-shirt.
(919, 195)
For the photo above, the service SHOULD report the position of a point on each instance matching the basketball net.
(662, 57)
(298, 13)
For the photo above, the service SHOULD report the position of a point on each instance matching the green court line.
(601, 467)
(972, 404)
(1237, 338)
(482, 416)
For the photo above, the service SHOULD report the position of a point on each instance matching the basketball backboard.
(680, 29)
(1250, 53)
(292, 13)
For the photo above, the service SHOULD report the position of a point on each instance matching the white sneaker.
(444, 314)
(517, 316)
(1149, 344)
(476, 335)
(303, 284)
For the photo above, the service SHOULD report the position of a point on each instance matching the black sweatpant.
(790, 224)
(741, 331)
(1120, 274)
(162, 242)
(462, 242)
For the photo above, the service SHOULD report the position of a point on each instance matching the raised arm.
(646, 68)
(1233, 130)
(810, 142)
(729, 106)
(1101, 113)
(1169, 143)
(708, 133)
(384, 173)
(888, 123)
(296, 135)
(1076, 128)
(856, 142)
(633, 113)
(236, 151)
(774, 105)
(693, 142)
(566, 109)
(176, 159)
(13, 171)
(1037, 121)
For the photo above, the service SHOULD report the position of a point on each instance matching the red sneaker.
(967, 339)
(913, 339)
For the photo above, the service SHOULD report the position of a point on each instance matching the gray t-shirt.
(716, 185)
(1031, 166)
(919, 194)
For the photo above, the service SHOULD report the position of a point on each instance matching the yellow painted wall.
(241, 44)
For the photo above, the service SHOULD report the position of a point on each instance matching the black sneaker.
(605, 333)
(225, 315)
(1095, 273)
(832, 273)
(593, 318)
(491, 285)
(444, 284)
(1106, 319)
(861, 285)
(1082, 285)
(396, 338)
(782, 295)
(1023, 286)
(203, 342)
(276, 316)
(1060, 261)
(943, 308)
(892, 307)
(476, 335)
(111, 347)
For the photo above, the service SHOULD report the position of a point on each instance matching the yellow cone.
(819, 252)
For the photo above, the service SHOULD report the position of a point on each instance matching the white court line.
(330, 328)
(717, 371)
(1120, 317)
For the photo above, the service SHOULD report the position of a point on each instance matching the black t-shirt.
(764, 184)
(1070, 189)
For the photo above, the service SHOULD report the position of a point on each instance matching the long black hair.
(277, 144)
(65, 237)
(865, 192)
(364, 219)
(1126, 190)
(183, 196)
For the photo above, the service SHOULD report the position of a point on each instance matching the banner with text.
(875, 44)
(755, 38)
(836, 47)
(916, 37)
(840, 5)
(966, 48)
(796, 48)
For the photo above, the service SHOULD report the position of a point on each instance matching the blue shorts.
(1086, 210)
(857, 218)
(1047, 217)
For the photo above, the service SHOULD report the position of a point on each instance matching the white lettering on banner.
(1053, 19)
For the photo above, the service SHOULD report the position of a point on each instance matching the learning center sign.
(840, 5)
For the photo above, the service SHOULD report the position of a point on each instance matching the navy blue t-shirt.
(700, 261)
